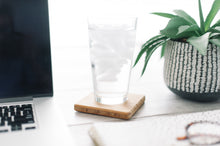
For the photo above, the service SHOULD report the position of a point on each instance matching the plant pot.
(191, 75)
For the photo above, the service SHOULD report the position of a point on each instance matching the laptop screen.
(25, 58)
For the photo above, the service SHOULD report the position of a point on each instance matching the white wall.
(68, 18)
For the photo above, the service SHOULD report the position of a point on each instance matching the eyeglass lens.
(204, 133)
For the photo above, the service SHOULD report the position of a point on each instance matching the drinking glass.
(112, 43)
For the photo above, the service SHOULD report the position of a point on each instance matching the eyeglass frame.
(188, 136)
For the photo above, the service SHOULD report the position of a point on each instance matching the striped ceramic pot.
(191, 75)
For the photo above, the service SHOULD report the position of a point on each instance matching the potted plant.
(192, 54)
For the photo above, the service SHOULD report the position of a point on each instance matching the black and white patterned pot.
(191, 75)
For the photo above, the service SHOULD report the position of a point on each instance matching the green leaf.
(185, 16)
(214, 10)
(163, 50)
(166, 15)
(148, 44)
(182, 28)
(214, 35)
(186, 30)
(150, 52)
(179, 28)
(200, 43)
(216, 24)
(172, 27)
(215, 30)
(215, 41)
(202, 23)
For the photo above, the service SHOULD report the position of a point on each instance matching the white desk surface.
(72, 81)
(72, 72)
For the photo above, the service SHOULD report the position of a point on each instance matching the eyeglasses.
(202, 133)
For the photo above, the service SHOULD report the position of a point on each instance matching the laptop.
(28, 114)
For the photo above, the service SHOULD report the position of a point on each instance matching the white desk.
(72, 81)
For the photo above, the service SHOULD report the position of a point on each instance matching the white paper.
(152, 131)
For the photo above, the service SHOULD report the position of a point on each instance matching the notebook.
(153, 131)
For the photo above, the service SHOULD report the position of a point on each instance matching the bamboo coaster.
(121, 111)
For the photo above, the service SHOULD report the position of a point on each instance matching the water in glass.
(111, 51)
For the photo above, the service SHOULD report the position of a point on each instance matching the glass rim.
(112, 17)
(112, 22)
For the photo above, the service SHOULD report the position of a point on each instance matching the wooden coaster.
(122, 111)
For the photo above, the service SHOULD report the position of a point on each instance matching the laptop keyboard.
(16, 118)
